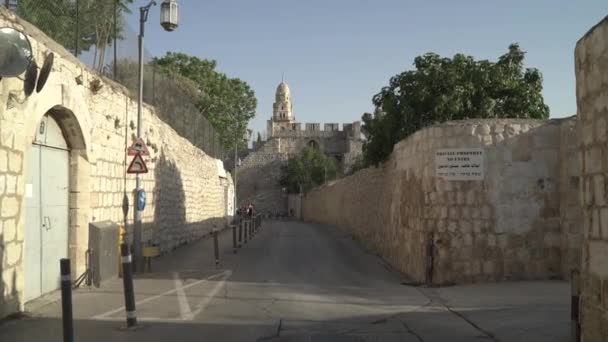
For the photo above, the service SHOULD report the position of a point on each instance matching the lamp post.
(169, 18)
(236, 165)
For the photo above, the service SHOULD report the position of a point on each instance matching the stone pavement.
(299, 282)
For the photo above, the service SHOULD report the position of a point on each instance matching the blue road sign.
(141, 199)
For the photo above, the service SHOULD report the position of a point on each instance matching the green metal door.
(47, 207)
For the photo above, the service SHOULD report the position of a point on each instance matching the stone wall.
(570, 205)
(294, 205)
(259, 176)
(187, 193)
(506, 226)
(260, 173)
(591, 62)
(289, 129)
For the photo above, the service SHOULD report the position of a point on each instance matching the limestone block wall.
(591, 64)
(258, 179)
(570, 205)
(506, 226)
(355, 150)
(187, 193)
(330, 145)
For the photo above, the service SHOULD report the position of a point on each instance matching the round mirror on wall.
(15, 52)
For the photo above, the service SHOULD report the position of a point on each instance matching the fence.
(98, 33)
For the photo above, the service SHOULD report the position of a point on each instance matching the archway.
(56, 179)
(46, 208)
(313, 144)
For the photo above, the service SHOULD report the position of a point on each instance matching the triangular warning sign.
(138, 147)
(137, 165)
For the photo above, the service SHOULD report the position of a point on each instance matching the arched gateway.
(53, 162)
(46, 208)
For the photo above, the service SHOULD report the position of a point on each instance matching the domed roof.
(283, 89)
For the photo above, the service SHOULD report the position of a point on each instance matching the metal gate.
(46, 209)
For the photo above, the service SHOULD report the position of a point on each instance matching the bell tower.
(282, 109)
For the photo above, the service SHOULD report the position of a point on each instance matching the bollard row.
(243, 231)
(246, 230)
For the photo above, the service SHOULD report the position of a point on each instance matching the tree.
(442, 89)
(57, 18)
(228, 103)
(308, 169)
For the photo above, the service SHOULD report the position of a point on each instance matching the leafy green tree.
(228, 103)
(441, 89)
(307, 170)
(57, 18)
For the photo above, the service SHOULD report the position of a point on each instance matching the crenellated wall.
(290, 129)
(507, 225)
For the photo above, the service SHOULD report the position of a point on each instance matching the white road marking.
(182, 300)
(203, 304)
(224, 276)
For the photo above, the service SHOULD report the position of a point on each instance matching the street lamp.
(169, 15)
(168, 20)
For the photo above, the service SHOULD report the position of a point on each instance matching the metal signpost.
(138, 166)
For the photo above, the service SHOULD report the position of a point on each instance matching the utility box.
(103, 247)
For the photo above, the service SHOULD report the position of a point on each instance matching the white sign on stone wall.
(459, 163)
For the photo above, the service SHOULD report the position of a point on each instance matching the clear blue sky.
(336, 54)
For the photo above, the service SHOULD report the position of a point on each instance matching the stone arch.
(313, 144)
(70, 126)
(74, 129)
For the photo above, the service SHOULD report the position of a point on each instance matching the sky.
(336, 54)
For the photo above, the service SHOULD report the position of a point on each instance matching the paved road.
(299, 282)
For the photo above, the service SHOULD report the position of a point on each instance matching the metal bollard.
(245, 231)
(216, 247)
(234, 246)
(575, 327)
(240, 232)
(430, 250)
(66, 300)
(127, 280)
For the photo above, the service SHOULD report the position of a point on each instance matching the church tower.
(282, 109)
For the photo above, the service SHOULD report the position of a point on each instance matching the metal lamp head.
(169, 15)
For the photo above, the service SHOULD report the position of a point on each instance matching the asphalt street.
(297, 281)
